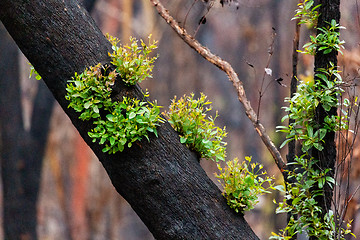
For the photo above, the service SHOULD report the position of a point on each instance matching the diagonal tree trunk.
(161, 179)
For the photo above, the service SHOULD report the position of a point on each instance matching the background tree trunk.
(16, 211)
(21, 150)
(161, 179)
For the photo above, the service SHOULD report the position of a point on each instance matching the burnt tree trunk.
(21, 150)
(16, 214)
(161, 179)
(329, 10)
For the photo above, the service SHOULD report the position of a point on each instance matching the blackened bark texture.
(21, 150)
(12, 136)
(161, 179)
(89, 5)
(329, 10)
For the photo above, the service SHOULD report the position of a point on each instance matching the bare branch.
(262, 90)
(232, 75)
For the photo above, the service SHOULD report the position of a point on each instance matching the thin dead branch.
(232, 75)
(262, 90)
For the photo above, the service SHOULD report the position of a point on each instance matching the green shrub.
(243, 183)
(188, 116)
(300, 200)
(133, 62)
(324, 90)
(125, 121)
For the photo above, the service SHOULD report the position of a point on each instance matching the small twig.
(345, 158)
(262, 91)
(351, 148)
(233, 77)
(192, 5)
(344, 210)
(203, 18)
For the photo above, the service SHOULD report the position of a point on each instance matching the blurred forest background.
(77, 200)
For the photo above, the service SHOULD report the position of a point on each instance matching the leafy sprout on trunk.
(188, 116)
(117, 124)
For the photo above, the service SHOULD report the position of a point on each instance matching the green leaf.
(112, 141)
(310, 131)
(286, 142)
(322, 77)
(296, 201)
(321, 182)
(132, 115)
(87, 104)
(96, 109)
(318, 146)
(284, 118)
(330, 180)
(102, 140)
(322, 133)
(106, 149)
(327, 51)
(182, 139)
(219, 157)
(111, 118)
(280, 188)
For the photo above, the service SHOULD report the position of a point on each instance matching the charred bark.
(89, 5)
(21, 150)
(329, 10)
(161, 179)
(17, 213)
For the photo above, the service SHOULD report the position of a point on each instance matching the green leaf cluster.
(90, 91)
(117, 124)
(133, 62)
(307, 13)
(324, 90)
(326, 41)
(243, 183)
(188, 116)
(300, 200)
(300, 195)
